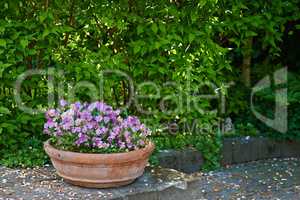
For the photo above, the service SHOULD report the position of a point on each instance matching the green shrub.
(177, 45)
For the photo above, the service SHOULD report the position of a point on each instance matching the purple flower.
(112, 136)
(79, 122)
(97, 142)
(58, 132)
(141, 143)
(86, 116)
(101, 107)
(76, 106)
(87, 127)
(129, 145)
(95, 125)
(106, 120)
(84, 129)
(63, 103)
(101, 131)
(90, 125)
(52, 113)
(68, 115)
(121, 144)
(46, 131)
(133, 120)
(146, 132)
(92, 106)
(113, 117)
(76, 130)
(99, 118)
(67, 126)
(50, 124)
(127, 134)
(81, 139)
(117, 112)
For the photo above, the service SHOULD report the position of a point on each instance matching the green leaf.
(42, 16)
(24, 43)
(191, 37)
(45, 33)
(156, 45)
(2, 29)
(3, 67)
(31, 51)
(136, 49)
(2, 43)
(250, 34)
(140, 29)
(162, 27)
(9, 126)
(4, 110)
(154, 27)
(23, 118)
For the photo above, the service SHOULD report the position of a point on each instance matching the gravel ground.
(269, 179)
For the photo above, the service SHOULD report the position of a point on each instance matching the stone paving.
(268, 179)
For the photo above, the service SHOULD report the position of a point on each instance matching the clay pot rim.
(94, 158)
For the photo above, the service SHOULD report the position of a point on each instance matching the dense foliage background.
(186, 43)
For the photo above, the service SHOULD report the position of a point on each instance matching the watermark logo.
(280, 121)
(183, 96)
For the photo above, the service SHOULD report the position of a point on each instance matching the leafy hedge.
(185, 43)
(265, 103)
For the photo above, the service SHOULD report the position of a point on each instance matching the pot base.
(98, 185)
(95, 184)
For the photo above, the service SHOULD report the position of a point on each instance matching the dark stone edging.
(246, 149)
(234, 151)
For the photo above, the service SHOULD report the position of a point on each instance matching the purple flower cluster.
(95, 125)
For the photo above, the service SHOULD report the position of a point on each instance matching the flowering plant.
(94, 127)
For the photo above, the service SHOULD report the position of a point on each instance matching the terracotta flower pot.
(99, 170)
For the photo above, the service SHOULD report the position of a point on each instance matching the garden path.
(269, 179)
